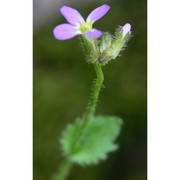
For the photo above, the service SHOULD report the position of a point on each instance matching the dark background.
(62, 82)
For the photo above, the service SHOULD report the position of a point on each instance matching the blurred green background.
(62, 82)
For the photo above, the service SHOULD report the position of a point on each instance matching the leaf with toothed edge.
(89, 145)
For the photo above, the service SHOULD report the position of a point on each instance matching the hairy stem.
(66, 165)
(63, 170)
(93, 53)
(95, 94)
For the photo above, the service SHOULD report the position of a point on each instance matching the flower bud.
(105, 42)
(122, 35)
(91, 49)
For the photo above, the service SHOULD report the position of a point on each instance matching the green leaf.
(87, 145)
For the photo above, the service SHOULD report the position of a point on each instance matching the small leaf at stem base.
(92, 143)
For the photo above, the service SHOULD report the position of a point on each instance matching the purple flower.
(126, 29)
(77, 25)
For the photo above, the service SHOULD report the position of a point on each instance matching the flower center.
(85, 26)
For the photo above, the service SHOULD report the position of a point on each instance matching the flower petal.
(98, 13)
(65, 31)
(94, 33)
(71, 15)
(126, 29)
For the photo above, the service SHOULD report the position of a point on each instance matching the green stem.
(66, 166)
(94, 97)
(63, 170)
(91, 44)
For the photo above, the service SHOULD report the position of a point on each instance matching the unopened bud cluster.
(109, 46)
